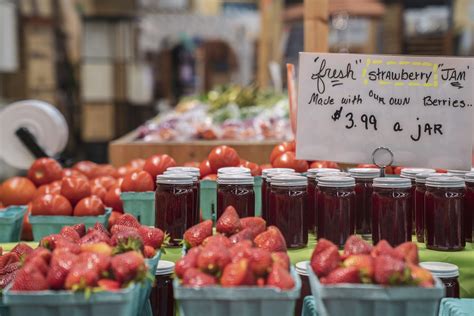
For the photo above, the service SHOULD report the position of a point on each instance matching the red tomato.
(332, 164)
(266, 166)
(211, 177)
(26, 230)
(223, 156)
(114, 216)
(281, 149)
(90, 206)
(255, 169)
(17, 191)
(158, 164)
(138, 182)
(112, 199)
(441, 170)
(51, 204)
(75, 189)
(44, 171)
(85, 167)
(205, 168)
(124, 170)
(137, 163)
(67, 172)
(106, 181)
(98, 190)
(52, 188)
(397, 170)
(288, 160)
(324, 164)
(193, 164)
(105, 170)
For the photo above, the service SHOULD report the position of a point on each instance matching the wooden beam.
(316, 28)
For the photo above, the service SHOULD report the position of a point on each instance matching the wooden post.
(264, 42)
(316, 27)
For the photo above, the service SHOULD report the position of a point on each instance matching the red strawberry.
(244, 234)
(68, 245)
(81, 277)
(187, 262)
(196, 234)
(121, 228)
(11, 267)
(101, 228)
(94, 237)
(151, 236)
(342, 275)
(39, 264)
(239, 250)
(356, 245)
(237, 273)
(70, 234)
(409, 251)
(196, 278)
(282, 259)
(322, 245)
(326, 261)
(39, 252)
(108, 285)
(149, 252)
(126, 241)
(128, 266)
(80, 229)
(29, 278)
(363, 263)
(383, 248)
(49, 242)
(260, 261)
(8, 273)
(219, 240)
(229, 222)
(22, 250)
(213, 258)
(272, 240)
(61, 263)
(98, 261)
(389, 270)
(100, 247)
(280, 278)
(256, 224)
(8, 258)
(420, 276)
(128, 220)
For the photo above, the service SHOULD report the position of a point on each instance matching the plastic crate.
(237, 301)
(141, 205)
(4, 310)
(144, 306)
(66, 303)
(371, 299)
(11, 220)
(456, 307)
(46, 225)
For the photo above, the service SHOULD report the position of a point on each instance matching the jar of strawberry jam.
(311, 175)
(301, 269)
(266, 188)
(233, 170)
(448, 274)
(336, 209)
(161, 297)
(288, 205)
(444, 213)
(174, 202)
(236, 190)
(363, 190)
(458, 173)
(469, 207)
(391, 210)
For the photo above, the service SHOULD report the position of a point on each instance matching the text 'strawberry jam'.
(448, 274)
(391, 210)
(266, 187)
(301, 269)
(288, 205)
(161, 297)
(444, 213)
(363, 190)
(336, 208)
(469, 208)
(236, 190)
(174, 201)
(420, 203)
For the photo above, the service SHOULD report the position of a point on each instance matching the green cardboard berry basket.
(4, 310)
(46, 225)
(11, 221)
(236, 301)
(375, 300)
(144, 306)
(141, 205)
(66, 303)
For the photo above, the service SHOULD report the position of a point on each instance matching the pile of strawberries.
(243, 253)
(363, 263)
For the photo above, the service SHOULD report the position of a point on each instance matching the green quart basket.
(144, 306)
(141, 205)
(11, 220)
(46, 225)
(4, 310)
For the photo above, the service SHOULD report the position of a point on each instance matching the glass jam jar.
(363, 190)
(458, 173)
(336, 208)
(288, 205)
(448, 274)
(311, 214)
(469, 208)
(233, 170)
(301, 269)
(266, 187)
(174, 204)
(444, 213)
(391, 210)
(161, 296)
(236, 190)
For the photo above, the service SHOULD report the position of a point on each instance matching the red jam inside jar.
(363, 190)
(336, 208)
(448, 274)
(391, 210)
(444, 213)
(301, 269)
(266, 188)
(469, 208)
(161, 297)
(236, 190)
(174, 203)
(288, 205)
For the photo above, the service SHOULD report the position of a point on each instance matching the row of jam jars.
(288, 205)
(281, 171)
(420, 203)
(195, 214)
(336, 208)
(161, 296)
(363, 205)
(391, 210)
(174, 201)
(236, 190)
(469, 208)
(448, 274)
(444, 213)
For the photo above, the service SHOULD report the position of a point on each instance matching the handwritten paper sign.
(419, 107)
